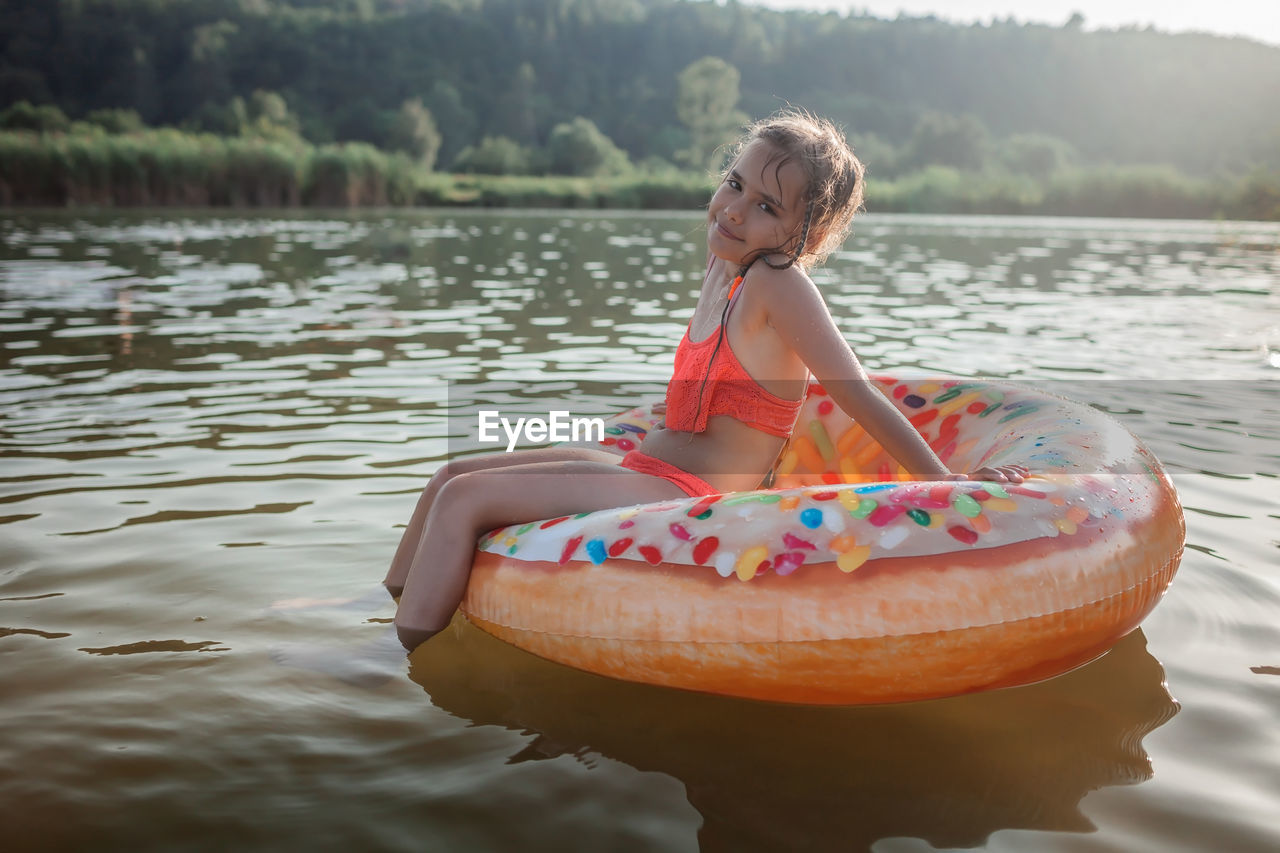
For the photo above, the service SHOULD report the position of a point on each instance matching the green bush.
(944, 189)
(116, 120)
(579, 148)
(1132, 191)
(1256, 197)
(495, 155)
(42, 119)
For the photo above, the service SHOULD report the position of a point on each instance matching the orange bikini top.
(729, 389)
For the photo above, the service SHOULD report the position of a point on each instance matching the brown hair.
(834, 179)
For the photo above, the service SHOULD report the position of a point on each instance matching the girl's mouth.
(727, 233)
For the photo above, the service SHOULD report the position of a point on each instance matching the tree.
(516, 113)
(706, 102)
(1035, 154)
(42, 119)
(579, 148)
(414, 132)
(495, 155)
(941, 139)
(360, 120)
(23, 84)
(501, 68)
(453, 116)
(209, 71)
(880, 158)
(229, 119)
(269, 117)
(116, 120)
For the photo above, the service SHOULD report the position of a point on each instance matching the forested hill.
(519, 68)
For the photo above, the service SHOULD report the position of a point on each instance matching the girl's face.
(758, 206)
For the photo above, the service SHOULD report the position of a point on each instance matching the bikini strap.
(735, 290)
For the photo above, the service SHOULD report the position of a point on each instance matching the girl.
(760, 328)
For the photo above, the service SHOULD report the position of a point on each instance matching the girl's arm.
(798, 314)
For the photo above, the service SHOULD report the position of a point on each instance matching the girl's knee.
(458, 488)
(439, 478)
(444, 474)
(457, 467)
(468, 500)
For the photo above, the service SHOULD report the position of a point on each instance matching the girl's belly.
(729, 455)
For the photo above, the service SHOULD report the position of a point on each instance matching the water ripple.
(202, 414)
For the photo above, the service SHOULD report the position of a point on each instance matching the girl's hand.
(660, 409)
(998, 474)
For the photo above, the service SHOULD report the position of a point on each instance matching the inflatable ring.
(845, 582)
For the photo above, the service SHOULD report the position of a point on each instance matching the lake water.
(204, 417)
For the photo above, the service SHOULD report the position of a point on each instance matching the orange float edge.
(893, 667)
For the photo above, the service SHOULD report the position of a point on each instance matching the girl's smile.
(727, 233)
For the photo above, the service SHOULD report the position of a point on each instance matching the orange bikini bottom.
(691, 484)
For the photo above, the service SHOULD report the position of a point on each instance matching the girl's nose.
(733, 211)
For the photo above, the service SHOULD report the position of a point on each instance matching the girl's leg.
(403, 558)
(470, 504)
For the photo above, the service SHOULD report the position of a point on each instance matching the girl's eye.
(733, 184)
(766, 208)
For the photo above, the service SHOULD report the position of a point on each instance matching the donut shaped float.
(846, 582)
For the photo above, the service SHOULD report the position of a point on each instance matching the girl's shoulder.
(793, 273)
(789, 302)
(782, 286)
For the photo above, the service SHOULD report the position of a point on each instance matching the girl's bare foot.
(411, 638)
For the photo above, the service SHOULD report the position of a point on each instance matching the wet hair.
(832, 193)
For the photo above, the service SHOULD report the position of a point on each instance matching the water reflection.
(772, 776)
(200, 413)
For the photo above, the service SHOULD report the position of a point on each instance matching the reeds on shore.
(169, 167)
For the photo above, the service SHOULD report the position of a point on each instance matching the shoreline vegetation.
(160, 167)
(624, 104)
